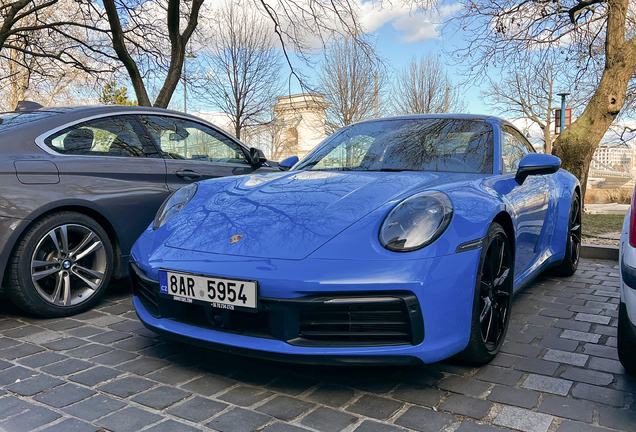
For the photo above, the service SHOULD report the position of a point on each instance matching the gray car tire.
(60, 266)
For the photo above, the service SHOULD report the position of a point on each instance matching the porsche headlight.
(174, 204)
(416, 222)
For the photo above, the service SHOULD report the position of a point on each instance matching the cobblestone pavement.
(558, 371)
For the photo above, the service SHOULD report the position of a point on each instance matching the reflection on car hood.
(287, 215)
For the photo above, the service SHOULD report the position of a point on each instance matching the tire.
(573, 244)
(491, 308)
(626, 341)
(60, 266)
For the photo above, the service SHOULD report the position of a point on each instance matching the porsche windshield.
(426, 144)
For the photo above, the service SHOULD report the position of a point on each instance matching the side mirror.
(286, 164)
(536, 164)
(257, 157)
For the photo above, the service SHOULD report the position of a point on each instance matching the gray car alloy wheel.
(68, 265)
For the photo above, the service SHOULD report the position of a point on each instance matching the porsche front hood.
(286, 215)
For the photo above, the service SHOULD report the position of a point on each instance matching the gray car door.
(110, 162)
(194, 151)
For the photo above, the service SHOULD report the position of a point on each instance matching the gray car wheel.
(61, 265)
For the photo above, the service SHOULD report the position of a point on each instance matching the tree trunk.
(124, 56)
(177, 55)
(547, 136)
(576, 145)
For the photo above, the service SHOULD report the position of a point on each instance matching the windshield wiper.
(395, 169)
(338, 169)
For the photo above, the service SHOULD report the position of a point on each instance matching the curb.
(608, 253)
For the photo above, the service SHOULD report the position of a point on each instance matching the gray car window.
(109, 136)
(184, 139)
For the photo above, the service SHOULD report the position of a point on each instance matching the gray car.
(79, 185)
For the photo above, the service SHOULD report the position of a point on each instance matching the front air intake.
(145, 289)
(370, 322)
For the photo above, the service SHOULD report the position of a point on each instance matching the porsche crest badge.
(235, 238)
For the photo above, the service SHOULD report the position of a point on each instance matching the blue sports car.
(398, 240)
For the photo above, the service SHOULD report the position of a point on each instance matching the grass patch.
(595, 224)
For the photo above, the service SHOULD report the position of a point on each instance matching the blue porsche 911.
(398, 240)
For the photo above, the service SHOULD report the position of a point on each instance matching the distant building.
(297, 126)
(220, 120)
(300, 120)
(618, 157)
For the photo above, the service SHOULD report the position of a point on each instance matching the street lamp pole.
(185, 87)
(190, 55)
(563, 95)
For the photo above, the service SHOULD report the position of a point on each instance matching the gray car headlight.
(174, 204)
(416, 222)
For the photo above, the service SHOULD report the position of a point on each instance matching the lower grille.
(373, 322)
(340, 320)
(145, 289)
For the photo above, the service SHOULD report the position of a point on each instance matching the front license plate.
(221, 293)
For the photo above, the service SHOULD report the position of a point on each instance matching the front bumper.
(437, 296)
(628, 272)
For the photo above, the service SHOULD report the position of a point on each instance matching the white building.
(298, 125)
(220, 120)
(301, 123)
(619, 157)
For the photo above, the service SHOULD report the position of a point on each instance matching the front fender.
(474, 210)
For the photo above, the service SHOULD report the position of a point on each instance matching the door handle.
(188, 174)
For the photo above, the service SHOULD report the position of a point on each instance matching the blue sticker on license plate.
(163, 282)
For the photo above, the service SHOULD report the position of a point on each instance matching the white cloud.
(415, 25)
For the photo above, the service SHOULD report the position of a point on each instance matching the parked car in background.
(78, 185)
(627, 306)
(397, 240)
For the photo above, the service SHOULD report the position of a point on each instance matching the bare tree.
(595, 36)
(424, 87)
(48, 70)
(530, 91)
(14, 16)
(244, 66)
(149, 38)
(133, 39)
(353, 81)
(47, 82)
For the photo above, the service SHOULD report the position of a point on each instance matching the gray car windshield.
(427, 144)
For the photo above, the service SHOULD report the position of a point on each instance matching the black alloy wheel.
(493, 298)
(573, 243)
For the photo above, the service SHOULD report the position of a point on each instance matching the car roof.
(478, 117)
(38, 121)
(32, 124)
(434, 115)
(89, 110)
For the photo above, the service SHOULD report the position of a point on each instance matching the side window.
(184, 139)
(524, 142)
(512, 151)
(109, 136)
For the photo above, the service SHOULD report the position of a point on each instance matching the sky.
(399, 34)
